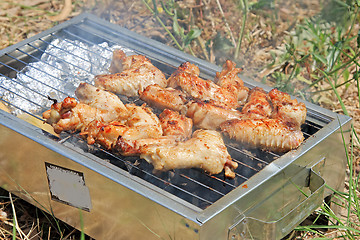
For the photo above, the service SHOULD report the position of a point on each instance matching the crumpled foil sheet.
(59, 71)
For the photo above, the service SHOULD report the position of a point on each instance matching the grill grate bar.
(239, 175)
(223, 181)
(64, 50)
(81, 38)
(246, 165)
(93, 33)
(252, 156)
(16, 94)
(39, 60)
(23, 85)
(312, 125)
(61, 60)
(38, 69)
(81, 47)
(201, 184)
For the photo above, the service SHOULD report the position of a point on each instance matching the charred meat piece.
(163, 98)
(205, 150)
(258, 105)
(229, 79)
(138, 73)
(267, 134)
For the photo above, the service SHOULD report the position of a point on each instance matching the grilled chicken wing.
(70, 115)
(229, 79)
(137, 73)
(207, 115)
(258, 104)
(268, 134)
(163, 98)
(205, 150)
(287, 109)
(201, 89)
(175, 128)
(102, 100)
(142, 123)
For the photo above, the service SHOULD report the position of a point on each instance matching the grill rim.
(162, 197)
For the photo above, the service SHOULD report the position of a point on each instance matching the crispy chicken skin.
(258, 104)
(205, 150)
(201, 89)
(267, 134)
(207, 115)
(101, 99)
(176, 127)
(163, 98)
(229, 79)
(287, 109)
(70, 115)
(137, 73)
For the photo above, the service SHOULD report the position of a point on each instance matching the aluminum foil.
(57, 73)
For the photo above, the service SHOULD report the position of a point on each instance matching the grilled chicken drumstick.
(205, 150)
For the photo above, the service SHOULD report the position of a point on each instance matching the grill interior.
(191, 185)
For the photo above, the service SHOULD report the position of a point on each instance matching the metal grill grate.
(191, 185)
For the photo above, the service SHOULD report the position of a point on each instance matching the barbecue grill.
(115, 197)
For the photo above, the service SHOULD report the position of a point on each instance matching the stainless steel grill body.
(119, 199)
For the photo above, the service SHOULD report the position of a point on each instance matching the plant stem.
(226, 23)
(163, 25)
(241, 34)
